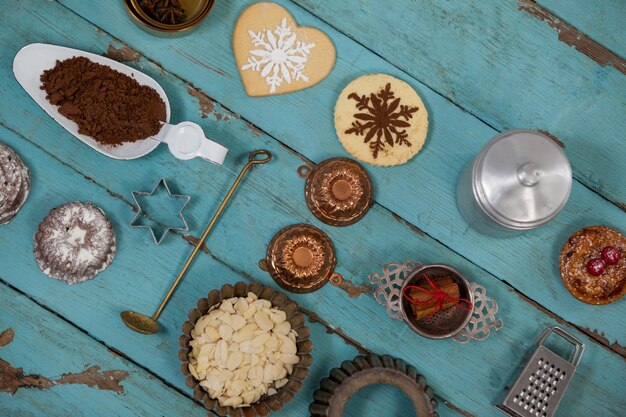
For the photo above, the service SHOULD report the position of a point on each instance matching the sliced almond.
(203, 367)
(281, 383)
(272, 344)
(287, 345)
(277, 316)
(225, 331)
(232, 401)
(192, 370)
(263, 321)
(226, 318)
(238, 321)
(227, 306)
(247, 347)
(249, 397)
(234, 360)
(261, 339)
(249, 313)
(279, 371)
(268, 373)
(221, 351)
(283, 328)
(241, 305)
(289, 358)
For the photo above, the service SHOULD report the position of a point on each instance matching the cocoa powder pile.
(107, 105)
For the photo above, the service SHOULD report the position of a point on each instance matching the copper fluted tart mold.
(285, 394)
(301, 259)
(338, 191)
(343, 382)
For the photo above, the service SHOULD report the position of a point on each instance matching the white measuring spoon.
(185, 140)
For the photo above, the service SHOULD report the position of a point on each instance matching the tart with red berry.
(593, 265)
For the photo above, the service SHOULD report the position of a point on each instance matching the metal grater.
(540, 386)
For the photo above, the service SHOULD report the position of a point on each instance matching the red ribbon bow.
(438, 296)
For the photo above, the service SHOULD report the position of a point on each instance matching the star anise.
(166, 11)
(384, 118)
(148, 6)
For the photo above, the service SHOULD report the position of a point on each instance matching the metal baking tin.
(158, 28)
(140, 211)
(519, 181)
(342, 383)
(338, 191)
(301, 259)
(268, 403)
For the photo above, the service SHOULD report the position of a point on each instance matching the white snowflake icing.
(279, 57)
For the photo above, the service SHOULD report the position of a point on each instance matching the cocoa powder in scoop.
(107, 105)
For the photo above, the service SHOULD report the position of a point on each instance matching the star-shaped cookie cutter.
(141, 212)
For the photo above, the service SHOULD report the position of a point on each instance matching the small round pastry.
(75, 242)
(584, 272)
(381, 120)
(14, 184)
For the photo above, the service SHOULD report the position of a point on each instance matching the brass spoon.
(148, 325)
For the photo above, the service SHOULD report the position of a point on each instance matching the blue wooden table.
(481, 66)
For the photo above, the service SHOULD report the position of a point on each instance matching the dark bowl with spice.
(168, 17)
(438, 323)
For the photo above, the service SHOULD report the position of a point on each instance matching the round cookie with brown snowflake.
(75, 242)
(381, 120)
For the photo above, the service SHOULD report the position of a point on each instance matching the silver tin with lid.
(519, 181)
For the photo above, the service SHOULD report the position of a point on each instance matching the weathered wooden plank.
(602, 20)
(137, 279)
(141, 271)
(421, 191)
(506, 66)
(572, 36)
(72, 374)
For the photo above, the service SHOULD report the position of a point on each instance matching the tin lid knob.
(528, 174)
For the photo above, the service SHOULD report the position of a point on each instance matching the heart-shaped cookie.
(275, 56)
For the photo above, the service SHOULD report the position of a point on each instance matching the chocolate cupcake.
(75, 242)
(593, 265)
(14, 184)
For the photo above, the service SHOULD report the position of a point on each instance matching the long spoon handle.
(255, 158)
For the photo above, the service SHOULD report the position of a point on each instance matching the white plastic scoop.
(185, 140)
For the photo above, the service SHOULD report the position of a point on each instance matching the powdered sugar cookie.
(275, 56)
(381, 120)
(75, 242)
(14, 184)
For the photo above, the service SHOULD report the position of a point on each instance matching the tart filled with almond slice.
(593, 265)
